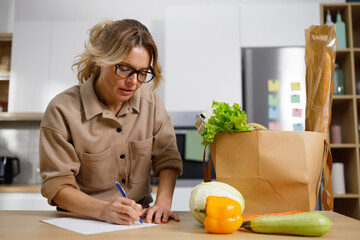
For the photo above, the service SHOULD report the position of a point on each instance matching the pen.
(124, 194)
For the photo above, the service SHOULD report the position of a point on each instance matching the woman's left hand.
(160, 213)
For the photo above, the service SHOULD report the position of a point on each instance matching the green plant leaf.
(225, 119)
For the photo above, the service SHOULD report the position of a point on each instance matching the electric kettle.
(9, 168)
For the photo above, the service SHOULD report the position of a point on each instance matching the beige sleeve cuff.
(167, 159)
(52, 186)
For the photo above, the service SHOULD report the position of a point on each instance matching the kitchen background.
(200, 42)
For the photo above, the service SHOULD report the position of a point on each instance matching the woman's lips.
(126, 91)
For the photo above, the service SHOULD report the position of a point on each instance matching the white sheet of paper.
(87, 226)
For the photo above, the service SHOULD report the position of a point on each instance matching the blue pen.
(124, 194)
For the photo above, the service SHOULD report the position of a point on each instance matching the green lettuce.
(225, 119)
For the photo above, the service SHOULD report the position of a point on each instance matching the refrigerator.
(274, 92)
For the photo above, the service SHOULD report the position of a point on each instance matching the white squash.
(203, 190)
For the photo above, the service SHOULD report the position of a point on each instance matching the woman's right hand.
(122, 211)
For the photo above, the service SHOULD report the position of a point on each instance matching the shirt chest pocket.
(140, 160)
(97, 169)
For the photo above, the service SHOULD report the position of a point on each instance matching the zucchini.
(305, 224)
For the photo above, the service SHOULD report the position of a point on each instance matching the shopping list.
(88, 226)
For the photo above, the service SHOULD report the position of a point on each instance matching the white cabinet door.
(24, 201)
(43, 53)
(277, 25)
(202, 56)
(30, 64)
(67, 41)
(6, 16)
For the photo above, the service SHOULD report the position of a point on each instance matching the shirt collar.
(93, 107)
(91, 103)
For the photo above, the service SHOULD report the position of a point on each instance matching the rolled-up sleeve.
(59, 162)
(165, 151)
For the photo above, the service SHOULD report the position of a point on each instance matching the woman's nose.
(132, 79)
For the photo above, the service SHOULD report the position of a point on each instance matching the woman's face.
(119, 89)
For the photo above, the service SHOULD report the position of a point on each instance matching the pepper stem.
(200, 210)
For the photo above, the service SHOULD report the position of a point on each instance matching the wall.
(21, 139)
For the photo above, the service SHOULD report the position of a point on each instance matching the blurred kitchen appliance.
(9, 168)
(274, 91)
(184, 122)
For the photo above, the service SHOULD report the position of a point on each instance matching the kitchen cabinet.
(45, 69)
(28, 196)
(346, 108)
(202, 57)
(276, 25)
(30, 71)
(6, 15)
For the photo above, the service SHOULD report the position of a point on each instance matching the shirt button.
(123, 180)
(118, 130)
(122, 156)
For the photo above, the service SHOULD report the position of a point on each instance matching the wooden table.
(26, 225)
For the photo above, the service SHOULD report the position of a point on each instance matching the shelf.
(343, 50)
(347, 206)
(5, 35)
(346, 108)
(343, 145)
(5, 57)
(342, 97)
(347, 195)
(20, 116)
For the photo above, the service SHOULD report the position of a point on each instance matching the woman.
(111, 127)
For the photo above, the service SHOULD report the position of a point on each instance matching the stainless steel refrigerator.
(274, 87)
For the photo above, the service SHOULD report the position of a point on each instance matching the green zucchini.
(305, 224)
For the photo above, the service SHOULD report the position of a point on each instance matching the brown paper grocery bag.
(275, 171)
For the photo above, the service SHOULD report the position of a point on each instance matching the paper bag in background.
(275, 171)
(320, 51)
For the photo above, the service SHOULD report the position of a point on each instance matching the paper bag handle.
(327, 198)
(207, 169)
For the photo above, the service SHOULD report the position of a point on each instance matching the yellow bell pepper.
(223, 215)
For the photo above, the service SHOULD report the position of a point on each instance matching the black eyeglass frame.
(133, 70)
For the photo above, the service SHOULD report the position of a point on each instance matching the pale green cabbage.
(203, 190)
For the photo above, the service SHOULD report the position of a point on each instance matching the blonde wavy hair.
(109, 43)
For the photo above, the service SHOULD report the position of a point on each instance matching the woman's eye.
(143, 73)
(124, 69)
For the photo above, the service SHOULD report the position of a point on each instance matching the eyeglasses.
(124, 71)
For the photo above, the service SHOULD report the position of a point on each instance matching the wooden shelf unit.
(346, 108)
(5, 56)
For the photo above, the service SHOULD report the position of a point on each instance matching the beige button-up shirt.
(85, 146)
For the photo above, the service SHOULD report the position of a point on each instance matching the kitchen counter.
(20, 225)
(20, 188)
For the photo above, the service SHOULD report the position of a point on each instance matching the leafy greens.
(225, 119)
